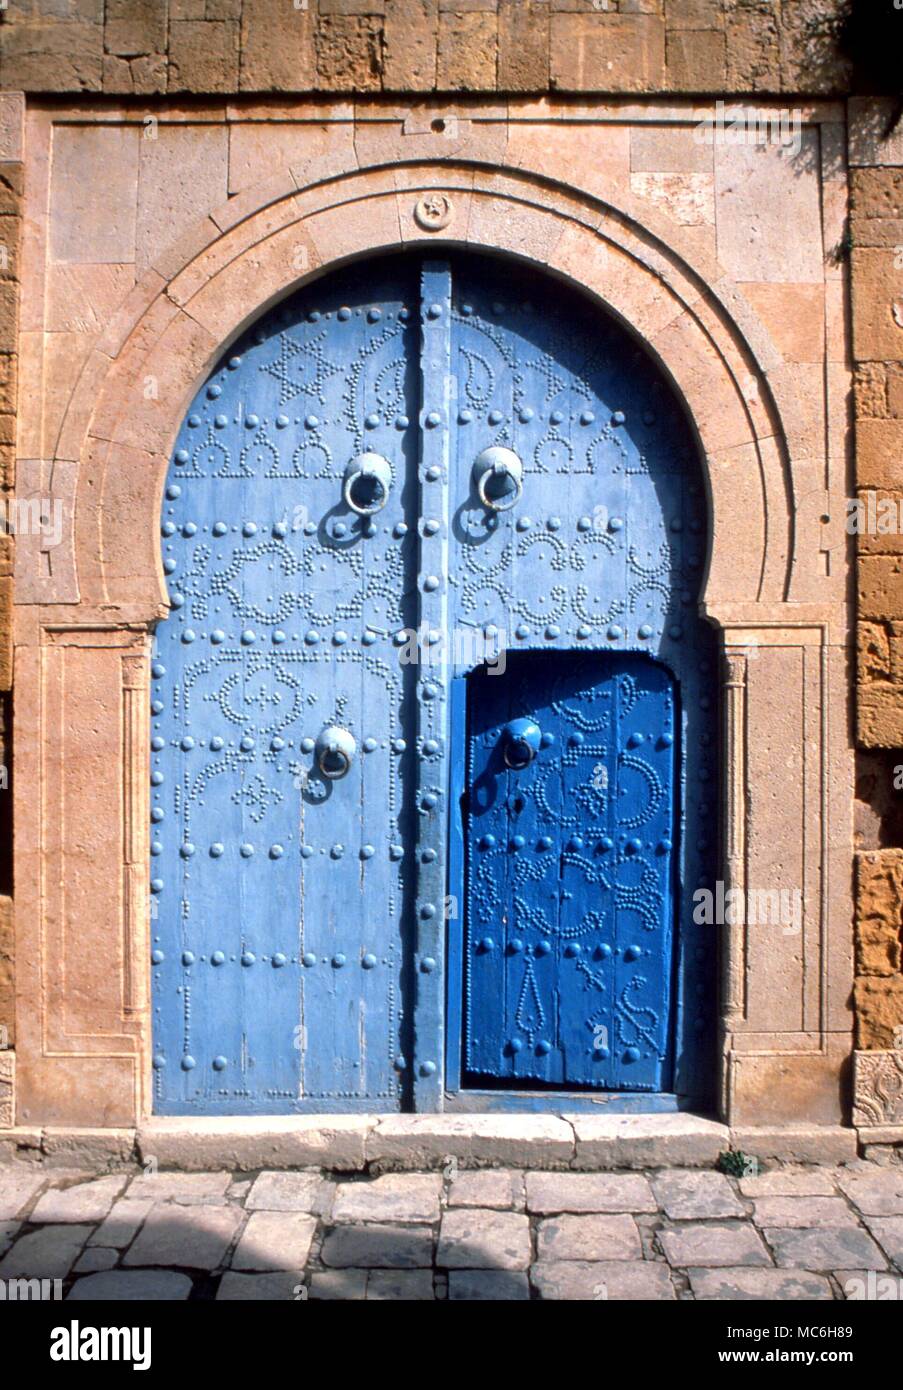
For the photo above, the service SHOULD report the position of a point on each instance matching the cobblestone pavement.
(789, 1233)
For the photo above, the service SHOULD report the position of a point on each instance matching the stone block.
(696, 62)
(185, 1189)
(89, 1148)
(607, 53)
(743, 1285)
(694, 14)
(523, 45)
(502, 1189)
(84, 228)
(273, 1287)
(668, 149)
(121, 1226)
(794, 316)
(131, 1286)
(89, 1201)
(277, 51)
(760, 190)
(844, 1247)
(877, 302)
(48, 57)
(184, 173)
(647, 1141)
(789, 1182)
(339, 1284)
(429, 1141)
(275, 1240)
(593, 1281)
(410, 42)
(189, 1238)
(589, 1192)
(874, 1191)
(348, 53)
(290, 1192)
(813, 1143)
(710, 1244)
(488, 1286)
(689, 1195)
(134, 27)
(589, 1238)
(802, 1212)
(394, 1197)
(880, 586)
(18, 1186)
(94, 1259)
(879, 454)
(400, 1285)
(48, 1253)
(467, 51)
(879, 1011)
(379, 1247)
(203, 56)
(753, 51)
(477, 1239)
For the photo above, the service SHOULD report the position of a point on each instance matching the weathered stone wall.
(229, 50)
(231, 46)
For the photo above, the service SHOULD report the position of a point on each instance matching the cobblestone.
(493, 1234)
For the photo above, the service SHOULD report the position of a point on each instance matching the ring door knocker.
(498, 476)
(521, 743)
(366, 484)
(335, 752)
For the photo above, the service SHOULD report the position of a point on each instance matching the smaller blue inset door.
(569, 844)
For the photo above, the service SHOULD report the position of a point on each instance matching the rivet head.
(188, 1063)
(544, 948)
(338, 960)
(188, 957)
(367, 851)
(515, 946)
(545, 842)
(517, 842)
(487, 944)
(157, 957)
(246, 851)
(220, 1063)
(276, 851)
(248, 958)
(428, 965)
(218, 958)
(573, 949)
(427, 911)
(308, 959)
(543, 1048)
(368, 961)
(632, 1054)
(428, 1069)
(278, 960)
(515, 1045)
(632, 952)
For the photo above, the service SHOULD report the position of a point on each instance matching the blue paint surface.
(309, 940)
(569, 885)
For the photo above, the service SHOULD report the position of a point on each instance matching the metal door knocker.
(498, 476)
(366, 483)
(335, 750)
(521, 742)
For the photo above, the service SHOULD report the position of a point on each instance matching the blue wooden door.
(280, 887)
(569, 872)
(408, 463)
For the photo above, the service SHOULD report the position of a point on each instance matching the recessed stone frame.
(83, 628)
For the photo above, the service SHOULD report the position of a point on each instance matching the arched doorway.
(432, 530)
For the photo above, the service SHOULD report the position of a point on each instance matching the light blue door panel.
(331, 506)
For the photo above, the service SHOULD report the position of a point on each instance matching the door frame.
(83, 1046)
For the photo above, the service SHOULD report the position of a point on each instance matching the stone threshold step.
(355, 1143)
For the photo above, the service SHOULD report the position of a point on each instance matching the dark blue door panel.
(569, 872)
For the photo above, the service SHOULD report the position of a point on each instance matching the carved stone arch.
(763, 589)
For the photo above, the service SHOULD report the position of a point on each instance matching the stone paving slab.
(599, 1237)
(790, 1182)
(709, 1243)
(88, 1201)
(844, 1247)
(803, 1212)
(273, 1287)
(170, 1236)
(788, 1234)
(287, 1191)
(500, 1188)
(379, 1247)
(473, 1239)
(878, 1192)
(689, 1194)
(187, 1189)
(488, 1286)
(588, 1192)
(274, 1240)
(136, 1285)
(748, 1284)
(395, 1197)
(46, 1253)
(602, 1281)
(17, 1187)
(888, 1232)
